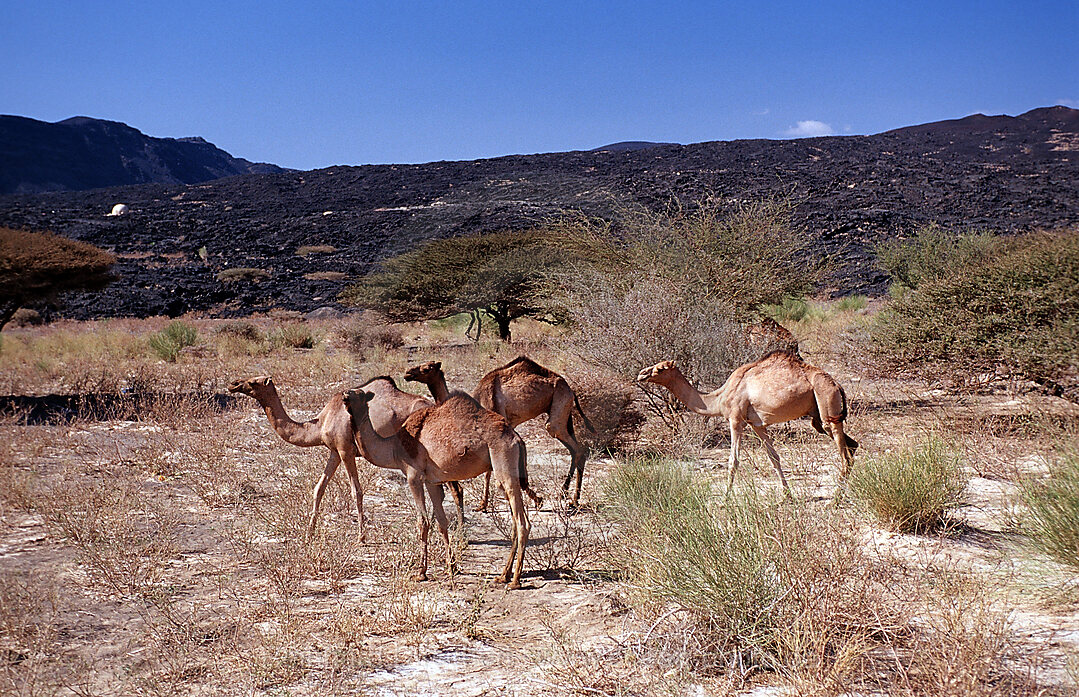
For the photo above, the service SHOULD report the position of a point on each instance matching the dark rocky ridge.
(1006, 174)
(83, 153)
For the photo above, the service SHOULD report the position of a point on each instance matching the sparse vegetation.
(168, 343)
(912, 489)
(1053, 504)
(296, 336)
(242, 274)
(308, 249)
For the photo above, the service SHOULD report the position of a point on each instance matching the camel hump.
(529, 365)
(387, 378)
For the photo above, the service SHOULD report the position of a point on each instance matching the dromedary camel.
(522, 390)
(453, 441)
(332, 429)
(777, 388)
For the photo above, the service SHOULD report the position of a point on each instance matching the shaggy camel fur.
(453, 441)
(522, 390)
(777, 388)
(769, 334)
(332, 429)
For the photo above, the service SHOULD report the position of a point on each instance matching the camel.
(451, 442)
(779, 387)
(522, 390)
(769, 334)
(332, 429)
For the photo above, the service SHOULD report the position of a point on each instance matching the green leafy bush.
(1013, 313)
(911, 490)
(933, 252)
(1053, 503)
(168, 343)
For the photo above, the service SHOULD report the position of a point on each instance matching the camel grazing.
(777, 388)
(522, 390)
(332, 428)
(450, 442)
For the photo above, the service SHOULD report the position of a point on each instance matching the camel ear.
(436, 365)
(666, 365)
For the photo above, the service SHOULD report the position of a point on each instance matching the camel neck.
(706, 404)
(379, 451)
(439, 390)
(301, 434)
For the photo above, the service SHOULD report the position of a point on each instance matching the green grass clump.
(911, 490)
(168, 342)
(851, 303)
(1053, 505)
(776, 586)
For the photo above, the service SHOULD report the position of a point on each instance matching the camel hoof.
(482, 508)
(420, 576)
(502, 579)
(516, 585)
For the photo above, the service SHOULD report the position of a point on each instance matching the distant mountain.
(84, 153)
(999, 173)
(629, 146)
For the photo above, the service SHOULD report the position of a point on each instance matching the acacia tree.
(38, 266)
(499, 273)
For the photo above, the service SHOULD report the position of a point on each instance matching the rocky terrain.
(1002, 173)
(85, 153)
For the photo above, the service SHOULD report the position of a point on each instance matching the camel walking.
(450, 442)
(522, 390)
(332, 429)
(777, 388)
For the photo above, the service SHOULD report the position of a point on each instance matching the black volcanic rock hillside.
(84, 153)
(1006, 174)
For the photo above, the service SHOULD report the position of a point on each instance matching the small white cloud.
(1073, 103)
(809, 129)
(762, 112)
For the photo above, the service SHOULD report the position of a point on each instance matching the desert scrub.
(774, 585)
(911, 490)
(168, 342)
(1053, 505)
(1013, 312)
(295, 336)
(242, 274)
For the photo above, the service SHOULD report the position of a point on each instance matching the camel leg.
(357, 491)
(482, 507)
(560, 427)
(736, 443)
(459, 500)
(762, 433)
(520, 537)
(845, 455)
(437, 493)
(423, 526)
(320, 489)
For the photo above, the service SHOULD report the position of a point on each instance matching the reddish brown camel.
(453, 441)
(522, 390)
(332, 429)
(777, 388)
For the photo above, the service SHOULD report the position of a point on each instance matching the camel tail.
(522, 474)
(587, 423)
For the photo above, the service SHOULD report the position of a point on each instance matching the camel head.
(356, 405)
(656, 372)
(425, 372)
(259, 387)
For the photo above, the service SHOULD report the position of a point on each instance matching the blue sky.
(314, 84)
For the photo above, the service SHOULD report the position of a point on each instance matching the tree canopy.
(500, 273)
(38, 266)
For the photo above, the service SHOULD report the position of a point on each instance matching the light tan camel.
(453, 441)
(522, 390)
(777, 388)
(332, 429)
